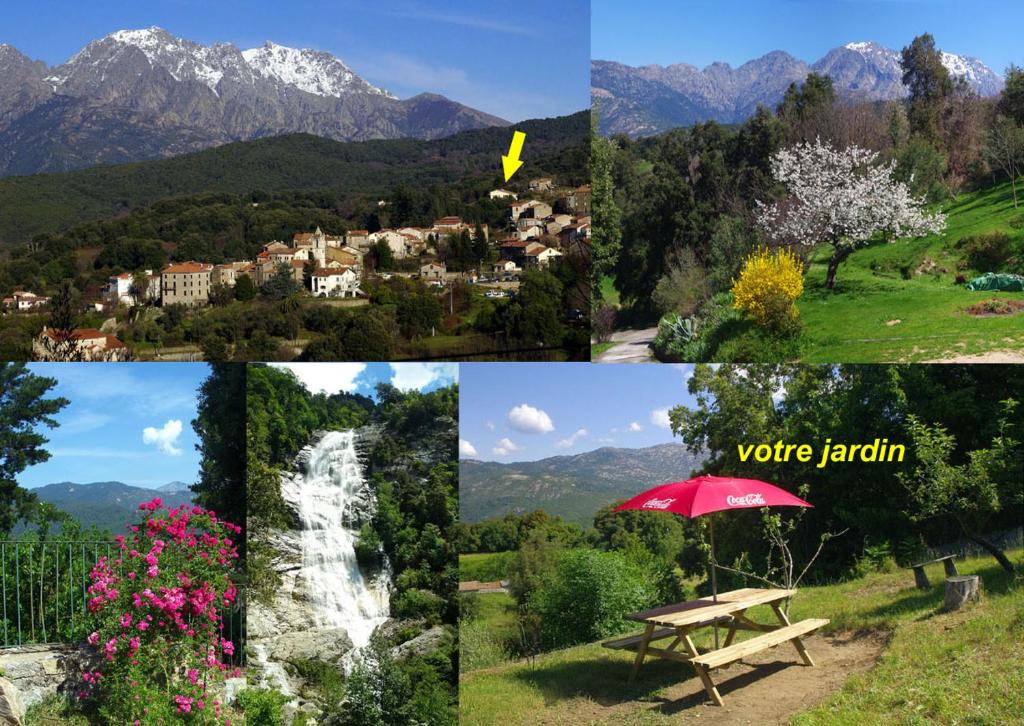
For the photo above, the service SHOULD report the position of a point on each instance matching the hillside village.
(542, 225)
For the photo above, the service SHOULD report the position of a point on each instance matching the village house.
(529, 208)
(22, 301)
(358, 238)
(502, 194)
(120, 289)
(433, 271)
(505, 267)
(347, 256)
(226, 275)
(186, 283)
(540, 256)
(86, 344)
(541, 184)
(513, 250)
(578, 200)
(336, 282)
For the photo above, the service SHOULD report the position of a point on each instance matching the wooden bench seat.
(921, 577)
(737, 651)
(634, 640)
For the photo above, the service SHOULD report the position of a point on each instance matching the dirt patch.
(990, 308)
(767, 688)
(995, 356)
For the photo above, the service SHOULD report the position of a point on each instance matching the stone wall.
(39, 671)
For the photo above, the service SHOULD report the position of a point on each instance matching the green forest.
(679, 218)
(412, 470)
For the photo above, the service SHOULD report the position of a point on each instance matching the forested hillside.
(53, 202)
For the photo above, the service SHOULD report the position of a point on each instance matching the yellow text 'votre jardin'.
(878, 451)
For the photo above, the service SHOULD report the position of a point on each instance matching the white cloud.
(659, 417)
(84, 421)
(326, 377)
(466, 448)
(417, 376)
(530, 420)
(489, 425)
(606, 440)
(634, 426)
(571, 440)
(505, 447)
(164, 438)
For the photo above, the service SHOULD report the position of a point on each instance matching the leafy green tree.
(220, 426)
(1011, 100)
(24, 410)
(971, 492)
(281, 284)
(587, 596)
(382, 254)
(61, 344)
(607, 219)
(418, 314)
(929, 84)
(245, 288)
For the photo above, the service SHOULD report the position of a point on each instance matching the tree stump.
(960, 590)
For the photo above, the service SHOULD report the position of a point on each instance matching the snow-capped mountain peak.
(311, 71)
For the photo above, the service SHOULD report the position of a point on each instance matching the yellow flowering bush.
(768, 286)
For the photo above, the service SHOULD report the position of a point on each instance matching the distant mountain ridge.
(109, 504)
(650, 99)
(573, 486)
(144, 94)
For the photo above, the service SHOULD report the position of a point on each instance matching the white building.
(22, 301)
(502, 194)
(339, 282)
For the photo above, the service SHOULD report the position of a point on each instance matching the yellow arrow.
(511, 162)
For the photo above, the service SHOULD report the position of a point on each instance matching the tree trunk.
(839, 254)
(991, 548)
(961, 590)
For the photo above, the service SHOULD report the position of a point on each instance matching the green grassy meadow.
(960, 667)
(854, 322)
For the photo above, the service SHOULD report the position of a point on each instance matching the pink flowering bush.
(157, 619)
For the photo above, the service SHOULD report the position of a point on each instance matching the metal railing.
(44, 593)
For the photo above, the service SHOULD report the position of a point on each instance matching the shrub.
(419, 604)
(155, 611)
(603, 323)
(479, 647)
(987, 252)
(587, 596)
(697, 341)
(262, 706)
(684, 286)
(768, 287)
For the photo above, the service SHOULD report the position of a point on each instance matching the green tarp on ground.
(1003, 281)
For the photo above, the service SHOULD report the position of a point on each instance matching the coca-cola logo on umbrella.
(747, 500)
(658, 503)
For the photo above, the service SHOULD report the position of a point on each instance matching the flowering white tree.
(843, 197)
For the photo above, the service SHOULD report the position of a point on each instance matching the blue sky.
(364, 377)
(529, 411)
(701, 32)
(527, 59)
(127, 422)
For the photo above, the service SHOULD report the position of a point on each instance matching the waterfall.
(332, 499)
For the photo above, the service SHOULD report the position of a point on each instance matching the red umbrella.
(706, 494)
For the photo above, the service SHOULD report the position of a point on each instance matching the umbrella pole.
(714, 578)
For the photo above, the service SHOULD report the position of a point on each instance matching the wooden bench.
(737, 651)
(921, 577)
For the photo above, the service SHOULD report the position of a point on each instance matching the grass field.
(485, 566)
(961, 667)
(855, 322)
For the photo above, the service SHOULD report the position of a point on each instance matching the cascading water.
(331, 496)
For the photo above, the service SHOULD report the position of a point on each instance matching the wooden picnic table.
(679, 621)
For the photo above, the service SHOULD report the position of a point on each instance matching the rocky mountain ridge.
(145, 94)
(649, 99)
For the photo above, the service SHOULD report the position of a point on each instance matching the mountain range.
(110, 505)
(573, 486)
(649, 99)
(145, 94)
